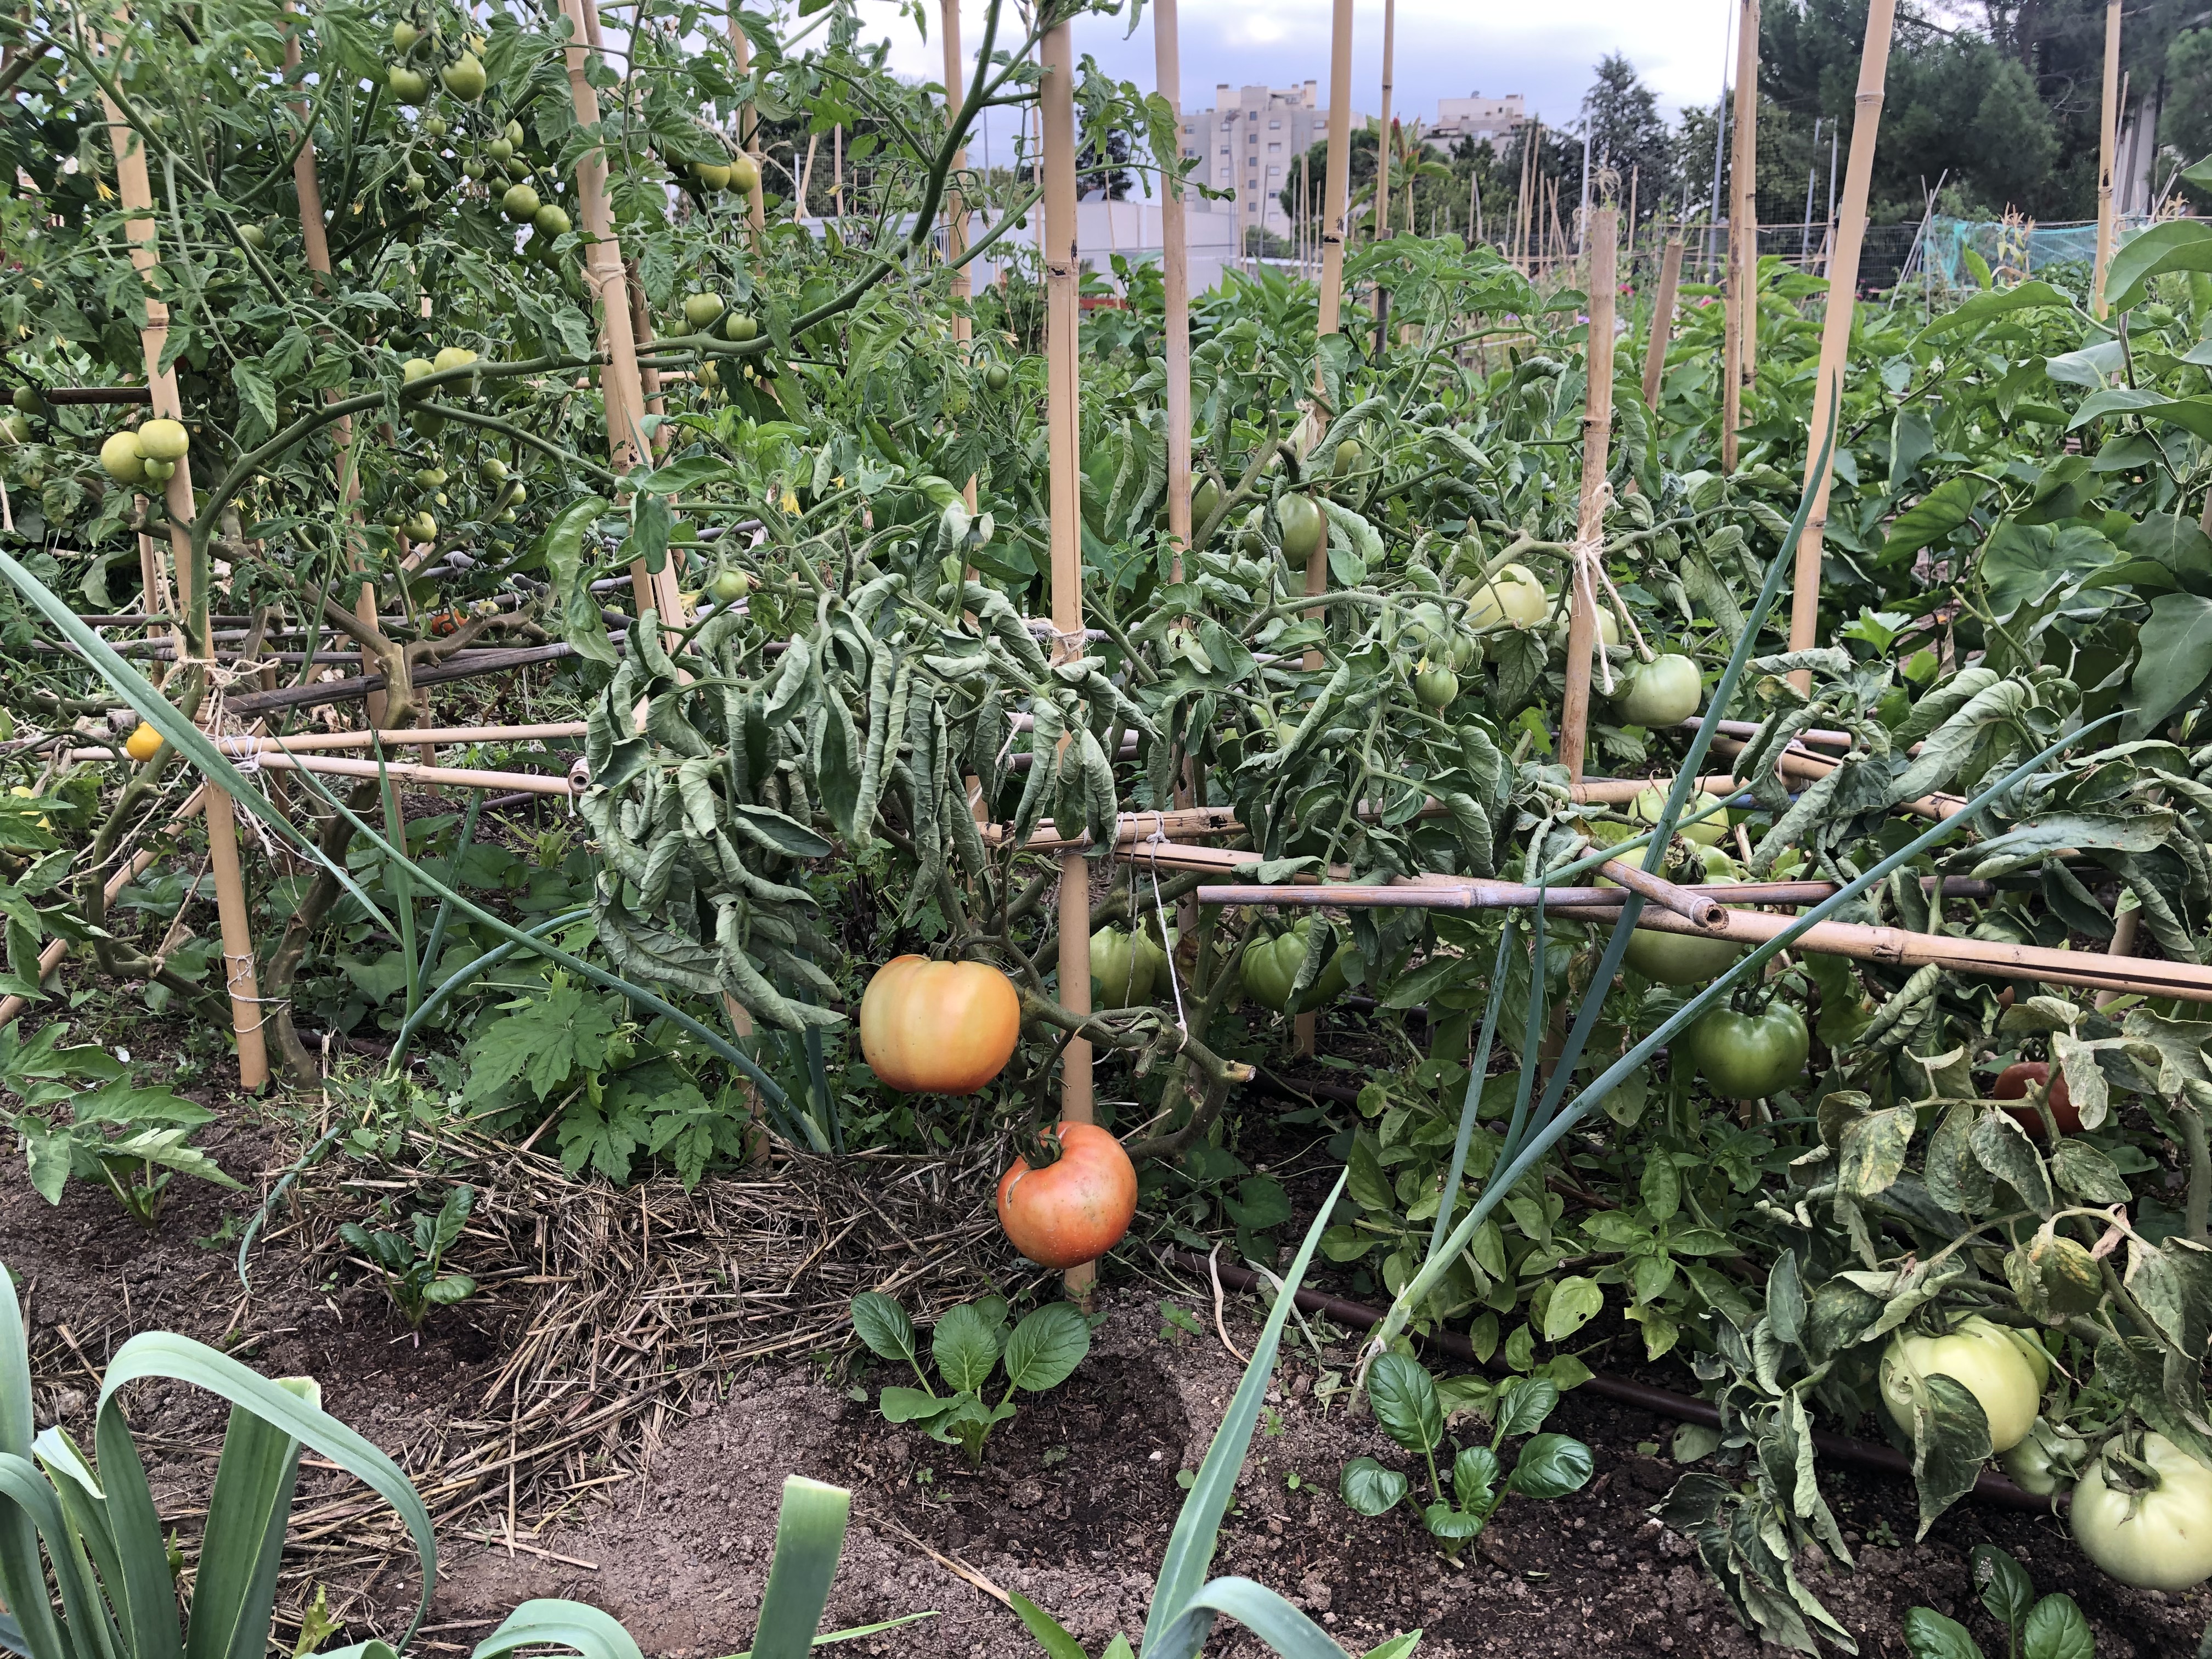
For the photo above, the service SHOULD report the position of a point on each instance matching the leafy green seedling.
(1177, 1324)
(413, 1262)
(1412, 1413)
(967, 1346)
(2051, 1627)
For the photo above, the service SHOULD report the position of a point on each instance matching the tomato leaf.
(1046, 1347)
(1370, 1489)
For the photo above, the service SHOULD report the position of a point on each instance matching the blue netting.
(2013, 253)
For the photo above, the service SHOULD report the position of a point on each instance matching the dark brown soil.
(1071, 1507)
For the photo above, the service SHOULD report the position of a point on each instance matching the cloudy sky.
(1446, 48)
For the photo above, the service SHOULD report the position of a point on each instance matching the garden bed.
(1073, 1504)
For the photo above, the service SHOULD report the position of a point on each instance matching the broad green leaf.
(1930, 1634)
(1475, 1476)
(903, 1404)
(882, 1324)
(569, 574)
(1575, 1302)
(965, 1344)
(2173, 660)
(1523, 1404)
(2002, 1147)
(1551, 1466)
(2005, 1587)
(1368, 1488)
(2056, 1629)
(1935, 516)
(2178, 245)
(1046, 1347)
(1454, 1525)
(1404, 1396)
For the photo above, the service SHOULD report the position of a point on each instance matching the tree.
(1627, 133)
(2185, 128)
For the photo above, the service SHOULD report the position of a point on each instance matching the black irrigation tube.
(1641, 1396)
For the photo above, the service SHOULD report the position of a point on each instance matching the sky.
(1445, 48)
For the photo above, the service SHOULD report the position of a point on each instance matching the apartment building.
(1476, 117)
(1251, 141)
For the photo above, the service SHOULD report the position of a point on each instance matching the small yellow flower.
(791, 503)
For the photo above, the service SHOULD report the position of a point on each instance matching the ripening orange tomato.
(2013, 1082)
(939, 1028)
(1074, 1209)
(141, 744)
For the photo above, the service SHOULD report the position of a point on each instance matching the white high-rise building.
(1477, 117)
(1251, 142)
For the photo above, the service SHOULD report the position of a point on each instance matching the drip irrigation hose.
(1866, 1454)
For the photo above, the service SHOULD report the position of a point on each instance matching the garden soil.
(1072, 1507)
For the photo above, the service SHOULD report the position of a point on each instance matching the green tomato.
(404, 35)
(1270, 966)
(2158, 1539)
(1120, 973)
(1665, 691)
(1983, 1360)
(1679, 959)
(499, 149)
(1706, 832)
(1513, 595)
(996, 378)
(121, 460)
(701, 310)
(1437, 688)
(1203, 501)
(491, 470)
(727, 586)
(1305, 532)
(1349, 457)
(2045, 1460)
(551, 221)
(408, 86)
(741, 326)
(464, 77)
(1749, 1056)
(519, 202)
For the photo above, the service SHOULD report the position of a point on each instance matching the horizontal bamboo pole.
(1458, 893)
(431, 736)
(2085, 970)
(462, 777)
(1693, 907)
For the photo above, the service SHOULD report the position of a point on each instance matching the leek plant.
(90, 1522)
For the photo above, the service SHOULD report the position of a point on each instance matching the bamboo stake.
(2107, 141)
(1174, 274)
(1663, 321)
(464, 777)
(956, 210)
(1739, 317)
(136, 193)
(1056, 109)
(1337, 189)
(741, 49)
(1589, 530)
(1836, 327)
(620, 383)
(1382, 135)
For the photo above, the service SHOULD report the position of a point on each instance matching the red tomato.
(1074, 1209)
(939, 1028)
(2013, 1082)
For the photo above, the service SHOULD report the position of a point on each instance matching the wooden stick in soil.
(741, 49)
(1597, 439)
(1663, 321)
(956, 210)
(620, 382)
(1337, 190)
(1056, 132)
(2107, 141)
(136, 192)
(1836, 326)
(1740, 315)
(1174, 282)
(1381, 219)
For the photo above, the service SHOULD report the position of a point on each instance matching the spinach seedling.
(413, 1262)
(1411, 1411)
(968, 1345)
